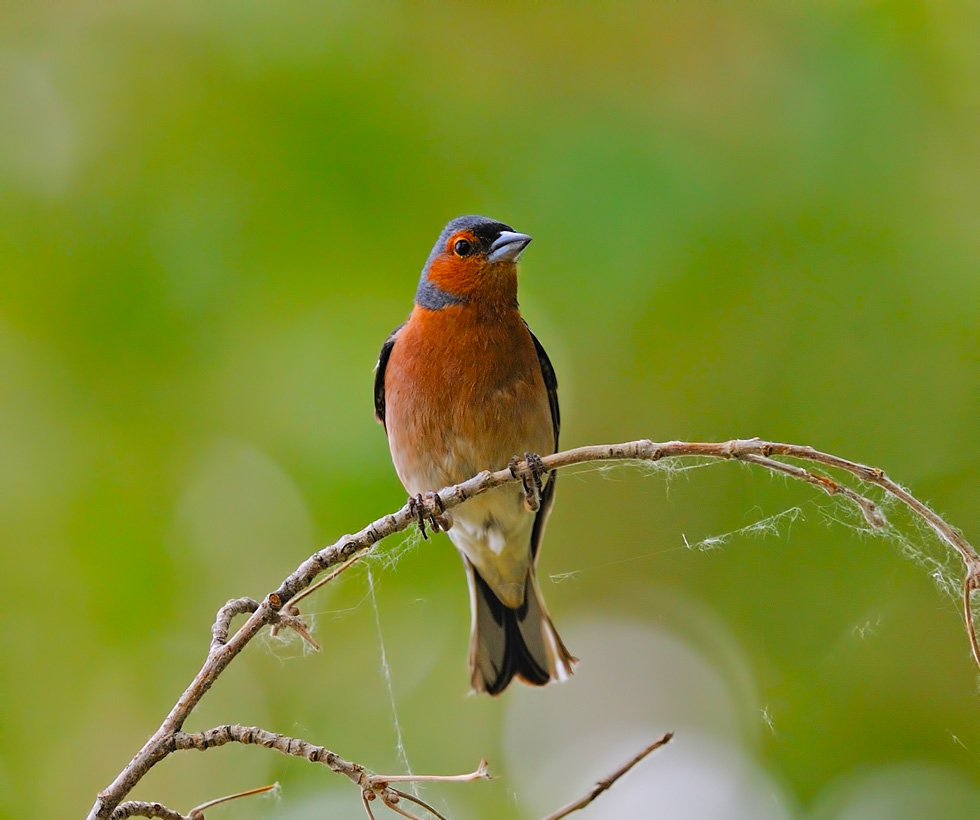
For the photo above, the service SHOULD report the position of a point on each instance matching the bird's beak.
(507, 247)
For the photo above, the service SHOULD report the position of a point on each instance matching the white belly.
(493, 531)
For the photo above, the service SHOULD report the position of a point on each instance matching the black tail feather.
(511, 643)
(515, 660)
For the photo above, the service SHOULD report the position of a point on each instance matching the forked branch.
(277, 610)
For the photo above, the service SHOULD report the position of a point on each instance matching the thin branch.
(418, 801)
(253, 736)
(371, 785)
(292, 607)
(140, 808)
(481, 773)
(970, 584)
(197, 813)
(392, 803)
(295, 623)
(607, 782)
(765, 454)
(137, 808)
(867, 507)
(222, 621)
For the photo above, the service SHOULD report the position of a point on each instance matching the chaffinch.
(464, 386)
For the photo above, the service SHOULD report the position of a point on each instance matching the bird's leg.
(429, 509)
(416, 507)
(438, 517)
(530, 472)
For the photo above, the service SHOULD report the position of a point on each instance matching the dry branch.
(138, 808)
(275, 609)
(607, 782)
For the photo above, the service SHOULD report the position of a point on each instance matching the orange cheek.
(455, 275)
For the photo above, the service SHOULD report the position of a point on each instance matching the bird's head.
(473, 258)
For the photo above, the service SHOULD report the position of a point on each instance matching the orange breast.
(463, 393)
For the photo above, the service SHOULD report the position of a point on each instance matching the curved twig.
(267, 612)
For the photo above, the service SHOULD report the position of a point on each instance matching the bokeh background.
(750, 219)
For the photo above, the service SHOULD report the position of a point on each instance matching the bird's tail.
(506, 643)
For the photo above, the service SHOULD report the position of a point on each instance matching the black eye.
(463, 248)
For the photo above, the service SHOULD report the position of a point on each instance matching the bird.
(461, 387)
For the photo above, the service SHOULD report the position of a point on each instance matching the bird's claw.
(429, 509)
(529, 470)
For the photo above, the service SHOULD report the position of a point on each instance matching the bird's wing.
(548, 493)
(550, 383)
(379, 375)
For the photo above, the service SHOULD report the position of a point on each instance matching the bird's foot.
(429, 509)
(529, 470)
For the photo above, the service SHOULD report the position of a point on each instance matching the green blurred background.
(750, 219)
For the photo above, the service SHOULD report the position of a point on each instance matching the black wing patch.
(550, 383)
(547, 499)
(379, 375)
(548, 494)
